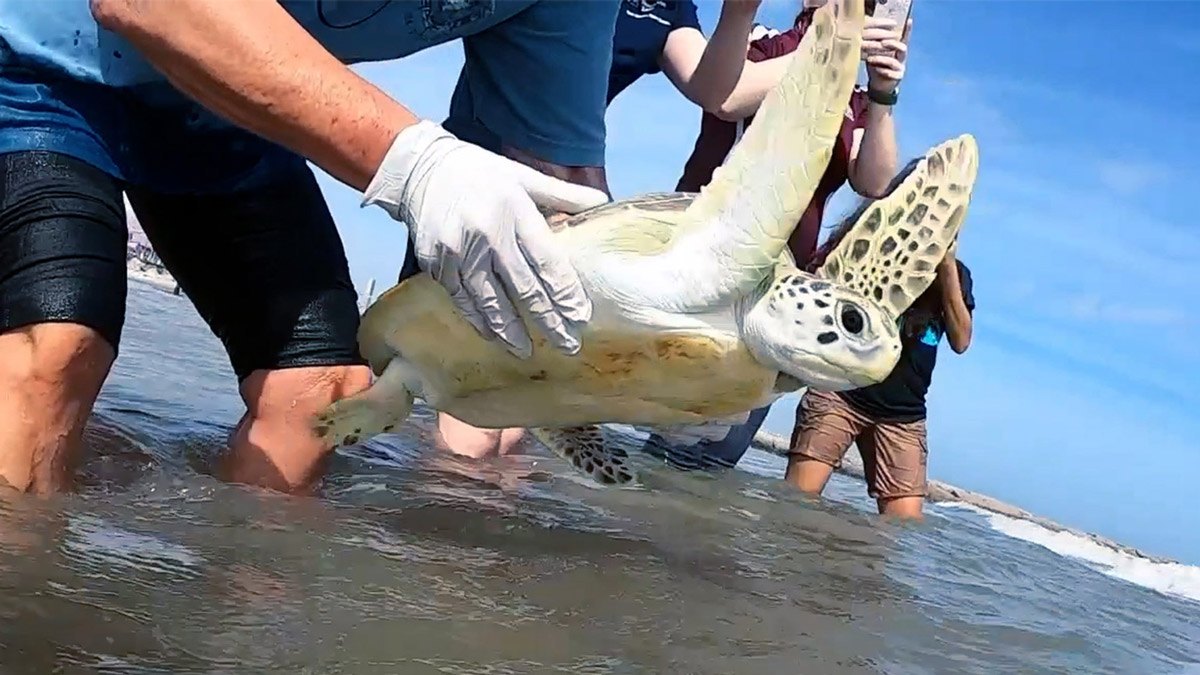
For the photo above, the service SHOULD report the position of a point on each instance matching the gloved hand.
(474, 221)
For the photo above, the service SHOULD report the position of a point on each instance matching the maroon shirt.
(717, 138)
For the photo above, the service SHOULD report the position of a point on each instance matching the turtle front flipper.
(585, 448)
(377, 410)
(889, 249)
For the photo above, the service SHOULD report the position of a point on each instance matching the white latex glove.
(474, 221)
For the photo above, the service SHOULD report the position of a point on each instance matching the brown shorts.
(894, 453)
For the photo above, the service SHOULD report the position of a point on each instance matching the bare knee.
(808, 475)
(60, 357)
(903, 508)
(51, 375)
(274, 446)
(469, 441)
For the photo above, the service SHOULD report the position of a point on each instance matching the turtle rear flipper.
(377, 410)
(584, 447)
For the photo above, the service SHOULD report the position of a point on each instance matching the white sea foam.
(1165, 577)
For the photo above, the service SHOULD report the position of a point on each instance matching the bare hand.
(885, 51)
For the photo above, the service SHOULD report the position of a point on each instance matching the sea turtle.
(699, 312)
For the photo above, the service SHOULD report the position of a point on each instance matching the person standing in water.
(887, 420)
(205, 112)
(864, 156)
(651, 36)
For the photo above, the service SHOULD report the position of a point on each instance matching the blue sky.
(1077, 398)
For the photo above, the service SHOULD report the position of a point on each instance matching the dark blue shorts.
(264, 266)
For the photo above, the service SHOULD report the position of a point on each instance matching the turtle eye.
(852, 319)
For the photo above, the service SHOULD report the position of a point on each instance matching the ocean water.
(411, 562)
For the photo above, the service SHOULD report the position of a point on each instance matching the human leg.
(825, 427)
(62, 306)
(896, 474)
(470, 441)
(266, 270)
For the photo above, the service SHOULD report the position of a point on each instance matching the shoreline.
(160, 281)
(940, 491)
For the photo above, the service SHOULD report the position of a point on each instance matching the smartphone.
(896, 10)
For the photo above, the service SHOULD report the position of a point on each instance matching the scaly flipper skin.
(378, 410)
(892, 251)
(758, 195)
(730, 236)
(584, 447)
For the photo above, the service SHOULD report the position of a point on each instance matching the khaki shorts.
(894, 454)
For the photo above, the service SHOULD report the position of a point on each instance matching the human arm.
(758, 78)
(253, 64)
(873, 154)
(250, 62)
(706, 71)
(956, 294)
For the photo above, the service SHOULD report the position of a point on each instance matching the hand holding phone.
(885, 15)
(896, 10)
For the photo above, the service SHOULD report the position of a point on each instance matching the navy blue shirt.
(640, 35)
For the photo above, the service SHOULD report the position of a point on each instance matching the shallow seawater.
(411, 562)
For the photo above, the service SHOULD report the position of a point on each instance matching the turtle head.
(825, 335)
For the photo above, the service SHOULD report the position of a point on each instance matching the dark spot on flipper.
(859, 250)
(388, 428)
(874, 220)
(917, 215)
(538, 376)
(350, 440)
(322, 430)
(827, 338)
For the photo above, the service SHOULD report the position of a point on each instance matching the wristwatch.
(883, 97)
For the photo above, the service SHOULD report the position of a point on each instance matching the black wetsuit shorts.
(264, 266)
